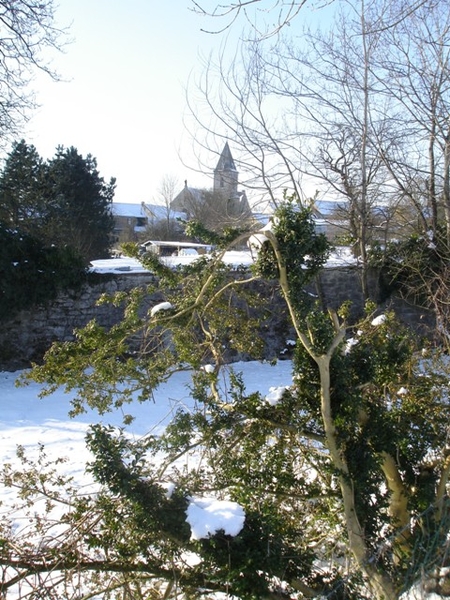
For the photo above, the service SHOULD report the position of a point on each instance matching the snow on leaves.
(207, 516)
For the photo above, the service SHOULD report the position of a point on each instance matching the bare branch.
(285, 11)
(27, 30)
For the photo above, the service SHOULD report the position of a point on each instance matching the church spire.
(226, 162)
(226, 175)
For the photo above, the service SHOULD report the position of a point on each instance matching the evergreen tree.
(78, 204)
(21, 198)
(55, 217)
(63, 202)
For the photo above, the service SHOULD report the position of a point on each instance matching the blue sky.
(123, 95)
(124, 91)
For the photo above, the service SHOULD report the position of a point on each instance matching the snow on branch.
(159, 307)
(207, 516)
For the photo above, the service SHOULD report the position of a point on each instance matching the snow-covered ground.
(30, 421)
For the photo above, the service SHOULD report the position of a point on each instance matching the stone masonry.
(26, 337)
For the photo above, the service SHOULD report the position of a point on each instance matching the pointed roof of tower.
(226, 162)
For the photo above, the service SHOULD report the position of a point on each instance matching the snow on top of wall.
(339, 257)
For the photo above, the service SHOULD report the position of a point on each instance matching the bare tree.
(27, 30)
(335, 101)
(333, 112)
(415, 72)
(167, 189)
(280, 14)
(164, 223)
(234, 102)
(228, 14)
(303, 119)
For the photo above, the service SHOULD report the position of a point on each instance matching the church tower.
(226, 175)
(224, 204)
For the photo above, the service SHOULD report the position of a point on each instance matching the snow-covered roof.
(335, 208)
(157, 212)
(128, 209)
(321, 209)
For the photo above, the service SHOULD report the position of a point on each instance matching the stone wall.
(26, 337)
(340, 284)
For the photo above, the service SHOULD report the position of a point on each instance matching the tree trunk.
(378, 581)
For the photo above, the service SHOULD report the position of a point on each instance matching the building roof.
(128, 209)
(158, 212)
